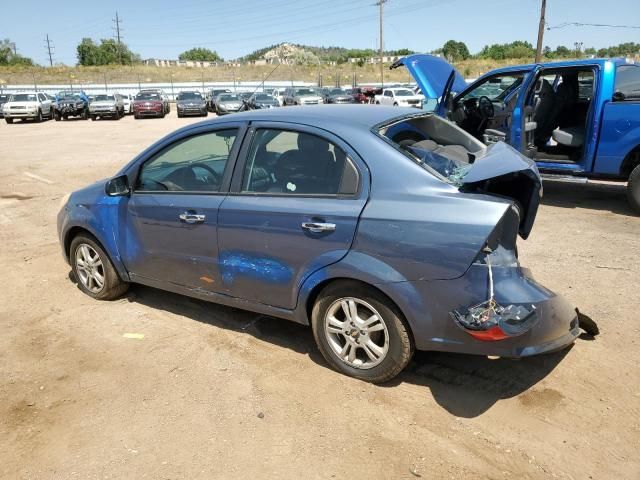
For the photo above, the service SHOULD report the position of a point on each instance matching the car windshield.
(147, 96)
(403, 93)
(306, 91)
(23, 97)
(336, 91)
(99, 98)
(496, 88)
(263, 97)
(69, 95)
(189, 96)
(228, 98)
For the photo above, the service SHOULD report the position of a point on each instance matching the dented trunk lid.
(502, 171)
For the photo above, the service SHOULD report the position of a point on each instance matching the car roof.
(328, 116)
(560, 64)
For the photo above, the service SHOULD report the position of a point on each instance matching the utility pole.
(117, 22)
(380, 4)
(541, 32)
(49, 47)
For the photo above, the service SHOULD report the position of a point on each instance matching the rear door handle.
(190, 217)
(319, 227)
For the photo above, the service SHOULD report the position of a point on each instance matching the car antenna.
(244, 104)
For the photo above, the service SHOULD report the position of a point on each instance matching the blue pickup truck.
(578, 120)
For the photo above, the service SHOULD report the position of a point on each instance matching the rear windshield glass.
(417, 138)
(628, 82)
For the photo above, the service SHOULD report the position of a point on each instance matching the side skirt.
(220, 298)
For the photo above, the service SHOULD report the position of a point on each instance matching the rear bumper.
(429, 313)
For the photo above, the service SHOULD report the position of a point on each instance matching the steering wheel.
(485, 107)
(216, 176)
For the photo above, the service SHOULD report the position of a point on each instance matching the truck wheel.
(8, 120)
(56, 116)
(93, 118)
(360, 332)
(633, 189)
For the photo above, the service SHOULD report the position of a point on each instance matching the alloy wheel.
(356, 333)
(89, 268)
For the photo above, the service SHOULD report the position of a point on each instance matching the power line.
(578, 24)
(117, 22)
(48, 46)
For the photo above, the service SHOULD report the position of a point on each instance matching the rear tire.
(90, 263)
(633, 189)
(374, 352)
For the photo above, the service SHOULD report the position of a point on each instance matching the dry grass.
(246, 73)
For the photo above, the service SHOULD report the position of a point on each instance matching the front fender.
(101, 219)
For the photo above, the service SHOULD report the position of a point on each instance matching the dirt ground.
(216, 393)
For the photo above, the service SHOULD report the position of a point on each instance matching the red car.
(358, 96)
(149, 104)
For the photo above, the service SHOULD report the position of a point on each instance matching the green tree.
(455, 51)
(108, 52)
(200, 55)
(8, 57)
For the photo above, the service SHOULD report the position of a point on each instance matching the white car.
(399, 97)
(278, 94)
(28, 106)
(128, 103)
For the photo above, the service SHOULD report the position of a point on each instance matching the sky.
(164, 28)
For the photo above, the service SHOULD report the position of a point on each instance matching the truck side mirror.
(118, 187)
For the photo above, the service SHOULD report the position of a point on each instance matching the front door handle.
(190, 217)
(319, 227)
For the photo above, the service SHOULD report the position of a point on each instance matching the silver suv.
(105, 105)
(302, 96)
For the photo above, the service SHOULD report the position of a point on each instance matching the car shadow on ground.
(594, 196)
(464, 385)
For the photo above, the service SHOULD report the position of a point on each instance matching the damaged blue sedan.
(386, 230)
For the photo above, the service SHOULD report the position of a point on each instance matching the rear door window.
(297, 163)
(627, 85)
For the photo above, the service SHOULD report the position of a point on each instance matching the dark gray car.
(336, 95)
(191, 103)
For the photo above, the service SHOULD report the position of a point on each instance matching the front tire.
(39, 117)
(93, 270)
(8, 120)
(360, 332)
(633, 189)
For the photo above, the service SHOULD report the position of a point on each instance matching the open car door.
(436, 77)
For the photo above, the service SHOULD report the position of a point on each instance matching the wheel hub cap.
(356, 333)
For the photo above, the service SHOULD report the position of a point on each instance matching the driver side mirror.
(118, 187)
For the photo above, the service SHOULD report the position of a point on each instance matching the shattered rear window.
(449, 163)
